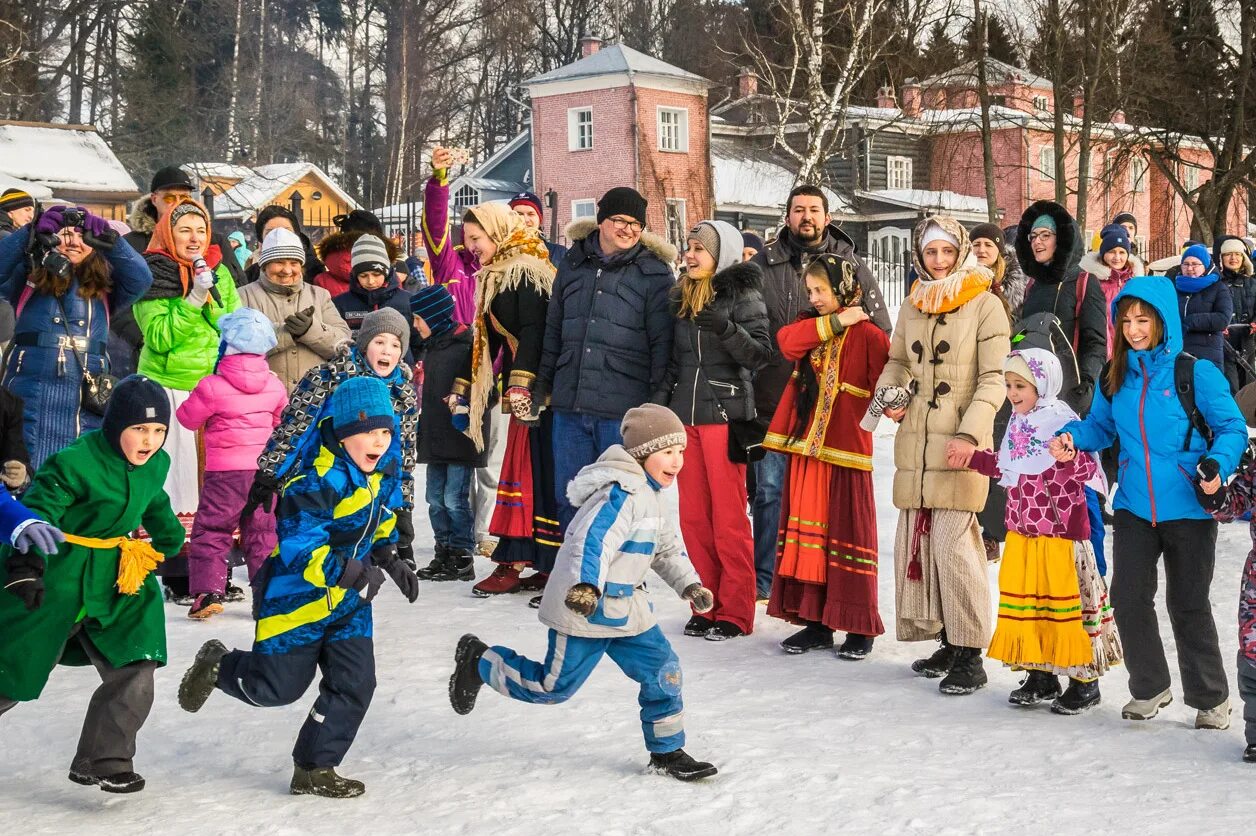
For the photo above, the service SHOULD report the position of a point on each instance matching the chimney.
(885, 98)
(589, 44)
(1079, 103)
(747, 83)
(1118, 117)
(911, 98)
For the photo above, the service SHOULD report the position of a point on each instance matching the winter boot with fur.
(324, 782)
(939, 664)
(966, 675)
(437, 566)
(202, 678)
(459, 566)
(680, 765)
(465, 683)
(811, 637)
(1039, 686)
(1080, 696)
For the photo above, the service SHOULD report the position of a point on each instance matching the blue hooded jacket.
(1154, 472)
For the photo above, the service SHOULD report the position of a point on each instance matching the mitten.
(703, 599)
(51, 221)
(261, 495)
(582, 599)
(15, 475)
(887, 397)
(94, 225)
(25, 579)
(520, 402)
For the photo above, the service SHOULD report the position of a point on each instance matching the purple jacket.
(451, 266)
(239, 406)
(1051, 504)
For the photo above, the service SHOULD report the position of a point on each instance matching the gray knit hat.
(369, 253)
(709, 238)
(280, 244)
(383, 321)
(649, 428)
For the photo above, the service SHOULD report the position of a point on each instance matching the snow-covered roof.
(756, 182)
(941, 201)
(997, 72)
(64, 158)
(613, 59)
(226, 171)
(33, 189)
(267, 182)
(399, 212)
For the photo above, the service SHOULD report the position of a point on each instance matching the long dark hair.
(95, 278)
(1117, 368)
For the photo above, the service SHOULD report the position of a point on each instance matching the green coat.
(181, 340)
(89, 490)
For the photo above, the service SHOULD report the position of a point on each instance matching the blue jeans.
(449, 505)
(578, 441)
(647, 659)
(769, 474)
(1097, 534)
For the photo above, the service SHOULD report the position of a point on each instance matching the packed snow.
(808, 744)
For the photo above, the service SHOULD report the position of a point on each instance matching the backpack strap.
(1080, 292)
(1184, 383)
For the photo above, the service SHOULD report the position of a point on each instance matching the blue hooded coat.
(1154, 471)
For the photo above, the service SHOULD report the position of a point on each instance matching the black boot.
(437, 566)
(698, 626)
(966, 675)
(324, 782)
(202, 678)
(939, 664)
(680, 766)
(119, 782)
(459, 566)
(1039, 686)
(811, 637)
(1080, 696)
(723, 631)
(466, 682)
(855, 647)
(1249, 754)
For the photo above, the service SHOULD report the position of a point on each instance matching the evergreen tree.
(940, 54)
(999, 44)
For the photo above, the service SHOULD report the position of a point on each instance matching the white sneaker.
(1146, 709)
(1214, 718)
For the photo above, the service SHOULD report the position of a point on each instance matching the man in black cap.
(17, 209)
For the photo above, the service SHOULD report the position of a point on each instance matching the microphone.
(201, 267)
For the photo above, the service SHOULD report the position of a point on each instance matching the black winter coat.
(1054, 290)
(785, 295)
(444, 357)
(708, 380)
(358, 302)
(1242, 293)
(608, 331)
(1205, 316)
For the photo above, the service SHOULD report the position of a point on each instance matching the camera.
(57, 264)
(73, 218)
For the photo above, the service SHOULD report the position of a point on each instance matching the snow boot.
(202, 678)
(1214, 718)
(1137, 709)
(723, 631)
(437, 566)
(534, 582)
(503, 581)
(966, 675)
(324, 782)
(698, 626)
(939, 664)
(1249, 754)
(680, 766)
(119, 782)
(459, 566)
(811, 637)
(465, 683)
(233, 594)
(535, 601)
(1039, 686)
(855, 647)
(206, 605)
(1080, 696)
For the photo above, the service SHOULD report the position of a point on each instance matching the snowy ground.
(805, 744)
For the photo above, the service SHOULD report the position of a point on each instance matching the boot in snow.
(698, 626)
(202, 678)
(207, 605)
(1080, 696)
(324, 782)
(855, 647)
(1214, 718)
(459, 566)
(1249, 754)
(1039, 686)
(119, 782)
(233, 593)
(939, 664)
(811, 637)
(966, 675)
(437, 566)
(1137, 709)
(534, 582)
(680, 766)
(504, 580)
(465, 683)
(535, 601)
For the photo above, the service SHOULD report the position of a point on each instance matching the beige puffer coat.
(293, 357)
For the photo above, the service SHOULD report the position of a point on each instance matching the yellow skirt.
(1040, 608)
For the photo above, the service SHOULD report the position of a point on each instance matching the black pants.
(1247, 690)
(117, 710)
(1189, 549)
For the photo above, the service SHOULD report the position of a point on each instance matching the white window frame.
(1190, 177)
(1042, 104)
(589, 205)
(1046, 162)
(679, 132)
(1138, 174)
(579, 131)
(466, 197)
(898, 172)
(676, 210)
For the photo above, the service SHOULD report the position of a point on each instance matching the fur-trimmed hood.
(578, 230)
(614, 466)
(1068, 248)
(1092, 263)
(143, 215)
(745, 275)
(343, 242)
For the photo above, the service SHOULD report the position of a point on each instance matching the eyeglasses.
(625, 223)
(1041, 234)
(171, 198)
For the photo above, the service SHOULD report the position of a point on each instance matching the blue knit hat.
(1113, 236)
(1044, 221)
(360, 405)
(1201, 252)
(435, 304)
(247, 331)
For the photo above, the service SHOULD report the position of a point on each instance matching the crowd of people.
(588, 413)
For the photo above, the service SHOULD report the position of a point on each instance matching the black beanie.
(274, 210)
(136, 400)
(359, 220)
(622, 200)
(990, 232)
(171, 177)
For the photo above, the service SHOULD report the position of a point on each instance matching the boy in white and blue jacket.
(595, 602)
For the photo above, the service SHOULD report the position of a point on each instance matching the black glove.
(298, 323)
(261, 495)
(405, 526)
(385, 557)
(365, 580)
(582, 599)
(709, 319)
(26, 578)
(1207, 470)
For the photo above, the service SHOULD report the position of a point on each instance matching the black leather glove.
(298, 323)
(405, 526)
(385, 557)
(261, 495)
(25, 578)
(1207, 470)
(582, 599)
(709, 319)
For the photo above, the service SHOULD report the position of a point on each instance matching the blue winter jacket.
(608, 328)
(1154, 472)
(1206, 314)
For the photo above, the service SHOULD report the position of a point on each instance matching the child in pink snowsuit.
(239, 406)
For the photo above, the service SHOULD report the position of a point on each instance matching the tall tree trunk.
(983, 92)
(1062, 100)
(233, 140)
(255, 154)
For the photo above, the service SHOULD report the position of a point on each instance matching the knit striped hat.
(649, 428)
(280, 244)
(435, 304)
(369, 253)
(14, 199)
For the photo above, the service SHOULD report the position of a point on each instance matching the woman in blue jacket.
(1156, 507)
(1205, 304)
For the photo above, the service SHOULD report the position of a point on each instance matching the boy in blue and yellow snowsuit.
(312, 598)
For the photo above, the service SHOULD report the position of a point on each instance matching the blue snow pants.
(646, 658)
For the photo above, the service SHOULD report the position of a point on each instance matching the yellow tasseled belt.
(137, 558)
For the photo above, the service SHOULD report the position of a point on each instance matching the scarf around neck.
(938, 296)
(1194, 284)
(1024, 449)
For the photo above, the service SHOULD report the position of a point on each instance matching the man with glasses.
(608, 333)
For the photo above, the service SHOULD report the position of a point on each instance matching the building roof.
(267, 182)
(33, 189)
(64, 158)
(749, 180)
(997, 73)
(928, 200)
(613, 59)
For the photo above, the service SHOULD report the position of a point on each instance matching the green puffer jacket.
(181, 340)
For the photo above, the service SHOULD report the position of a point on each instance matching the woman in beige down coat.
(947, 352)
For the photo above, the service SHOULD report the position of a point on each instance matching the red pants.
(715, 525)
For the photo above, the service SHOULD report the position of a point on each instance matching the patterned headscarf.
(1024, 448)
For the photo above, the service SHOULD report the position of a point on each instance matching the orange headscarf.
(163, 239)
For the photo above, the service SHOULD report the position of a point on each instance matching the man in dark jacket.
(528, 207)
(807, 233)
(608, 332)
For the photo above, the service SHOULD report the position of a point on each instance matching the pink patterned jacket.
(1051, 504)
